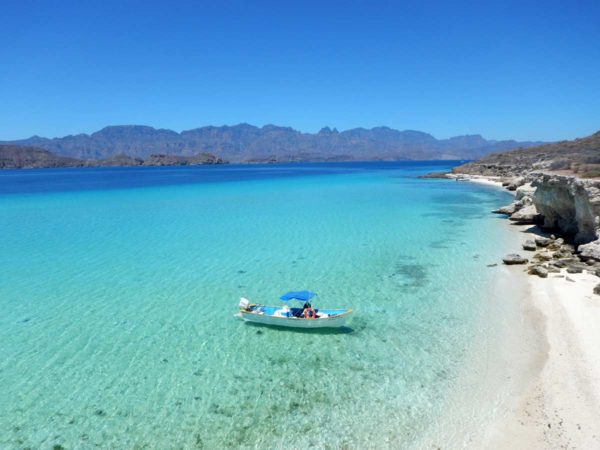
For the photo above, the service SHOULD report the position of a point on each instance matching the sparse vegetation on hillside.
(579, 157)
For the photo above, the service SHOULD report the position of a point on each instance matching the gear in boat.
(304, 317)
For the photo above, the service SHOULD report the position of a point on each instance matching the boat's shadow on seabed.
(323, 331)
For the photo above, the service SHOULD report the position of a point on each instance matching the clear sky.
(503, 69)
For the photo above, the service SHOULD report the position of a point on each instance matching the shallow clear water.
(118, 289)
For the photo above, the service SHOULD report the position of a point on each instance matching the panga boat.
(283, 316)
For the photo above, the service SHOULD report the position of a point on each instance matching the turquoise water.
(118, 289)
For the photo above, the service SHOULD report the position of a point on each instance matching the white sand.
(559, 407)
(488, 181)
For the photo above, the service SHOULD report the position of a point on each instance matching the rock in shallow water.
(514, 258)
(597, 289)
(508, 209)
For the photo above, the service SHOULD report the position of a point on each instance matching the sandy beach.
(559, 406)
(487, 181)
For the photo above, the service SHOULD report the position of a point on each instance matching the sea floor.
(118, 300)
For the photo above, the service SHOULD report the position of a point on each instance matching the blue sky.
(503, 69)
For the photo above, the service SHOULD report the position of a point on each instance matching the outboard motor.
(244, 303)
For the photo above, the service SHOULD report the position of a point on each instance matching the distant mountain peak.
(327, 130)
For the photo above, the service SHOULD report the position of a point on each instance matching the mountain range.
(246, 143)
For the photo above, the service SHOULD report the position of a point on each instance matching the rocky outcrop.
(564, 204)
(555, 184)
(579, 157)
(525, 215)
(569, 204)
(522, 211)
(525, 192)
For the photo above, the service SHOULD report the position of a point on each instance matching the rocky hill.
(25, 157)
(557, 188)
(247, 143)
(580, 157)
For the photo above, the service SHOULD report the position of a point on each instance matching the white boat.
(283, 316)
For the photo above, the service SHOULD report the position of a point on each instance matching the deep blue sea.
(118, 289)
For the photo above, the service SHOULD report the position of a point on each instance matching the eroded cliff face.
(569, 204)
(564, 203)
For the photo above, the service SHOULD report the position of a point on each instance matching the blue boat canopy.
(298, 295)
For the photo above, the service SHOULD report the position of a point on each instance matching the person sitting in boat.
(309, 312)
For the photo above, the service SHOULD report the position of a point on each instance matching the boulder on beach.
(561, 254)
(529, 245)
(543, 241)
(540, 271)
(514, 258)
(590, 250)
(597, 289)
(543, 256)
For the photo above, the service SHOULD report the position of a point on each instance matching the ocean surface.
(118, 289)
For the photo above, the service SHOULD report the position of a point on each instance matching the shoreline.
(559, 405)
(560, 408)
(508, 353)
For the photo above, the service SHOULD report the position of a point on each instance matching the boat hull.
(333, 321)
